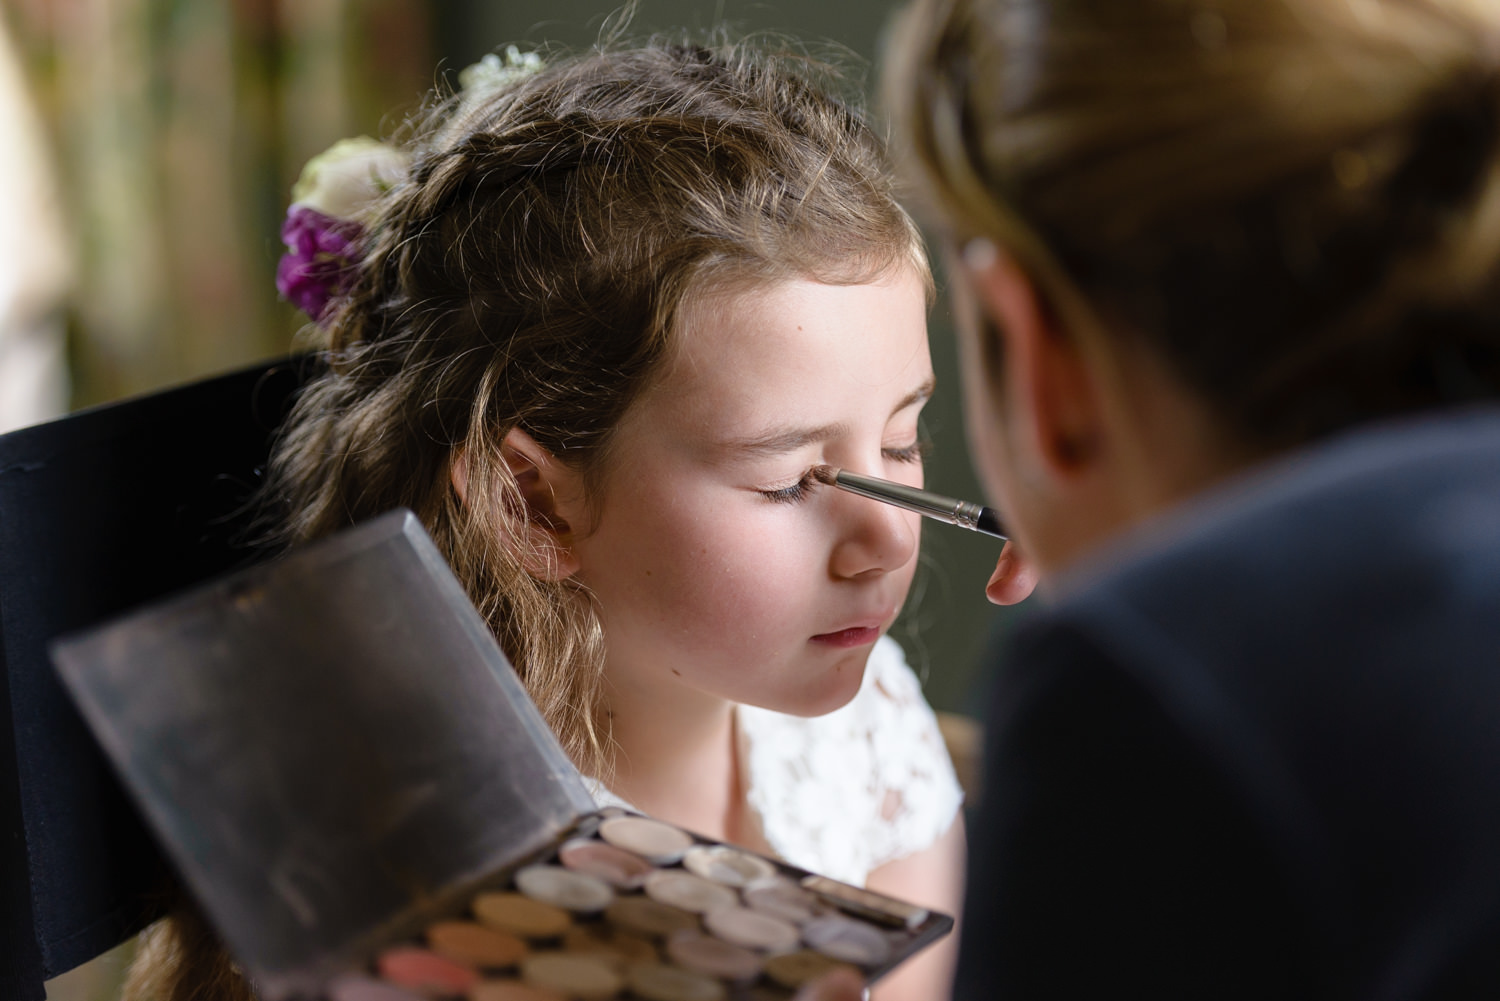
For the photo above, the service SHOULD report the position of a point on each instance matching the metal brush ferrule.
(967, 514)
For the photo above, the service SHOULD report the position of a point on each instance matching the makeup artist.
(1231, 271)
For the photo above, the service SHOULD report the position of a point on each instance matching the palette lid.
(323, 743)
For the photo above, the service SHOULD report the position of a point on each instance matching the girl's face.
(718, 564)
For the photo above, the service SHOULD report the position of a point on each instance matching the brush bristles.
(826, 474)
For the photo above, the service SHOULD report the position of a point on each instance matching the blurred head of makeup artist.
(1228, 276)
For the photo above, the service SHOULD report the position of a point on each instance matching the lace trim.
(845, 793)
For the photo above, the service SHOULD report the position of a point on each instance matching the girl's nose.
(873, 537)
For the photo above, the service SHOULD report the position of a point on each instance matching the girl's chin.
(837, 685)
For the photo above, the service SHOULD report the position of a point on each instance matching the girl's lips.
(846, 638)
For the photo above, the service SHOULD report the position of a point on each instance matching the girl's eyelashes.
(915, 452)
(798, 491)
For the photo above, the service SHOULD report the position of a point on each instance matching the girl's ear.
(552, 497)
(1052, 398)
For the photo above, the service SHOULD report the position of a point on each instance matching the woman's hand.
(1014, 577)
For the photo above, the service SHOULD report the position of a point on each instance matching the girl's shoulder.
(844, 793)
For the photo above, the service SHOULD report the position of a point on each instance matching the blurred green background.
(152, 145)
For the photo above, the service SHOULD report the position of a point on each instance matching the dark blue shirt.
(1253, 751)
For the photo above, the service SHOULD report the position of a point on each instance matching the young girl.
(600, 324)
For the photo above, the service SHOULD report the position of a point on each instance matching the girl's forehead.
(800, 324)
(795, 347)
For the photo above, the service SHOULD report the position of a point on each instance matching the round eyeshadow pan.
(520, 915)
(688, 892)
(560, 887)
(571, 974)
(702, 953)
(658, 982)
(848, 940)
(424, 971)
(793, 969)
(512, 990)
(469, 942)
(752, 929)
(726, 865)
(617, 867)
(645, 916)
(783, 900)
(358, 987)
(650, 839)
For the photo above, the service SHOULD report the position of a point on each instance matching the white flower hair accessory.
(325, 223)
(494, 72)
(347, 177)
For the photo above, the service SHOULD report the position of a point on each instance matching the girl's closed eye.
(915, 452)
(799, 491)
(793, 494)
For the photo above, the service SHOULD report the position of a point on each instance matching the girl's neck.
(676, 758)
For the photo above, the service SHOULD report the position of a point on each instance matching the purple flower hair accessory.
(315, 267)
(325, 225)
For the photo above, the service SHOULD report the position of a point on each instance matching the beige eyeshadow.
(575, 975)
(645, 916)
(659, 982)
(689, 892)
(512, 990)
(693, 950)
(521, 915)
(781, 899)
(726, 865)
(476, 944)
(560, 887)
(793, 969)
(752, 929)
(617, 867)
(847, 939)
(650, 839)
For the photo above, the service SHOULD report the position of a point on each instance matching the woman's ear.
(551, 496)
(1051, 397)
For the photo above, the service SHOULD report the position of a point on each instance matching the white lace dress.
(845, 793)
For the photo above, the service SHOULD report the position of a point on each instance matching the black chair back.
(102, 511)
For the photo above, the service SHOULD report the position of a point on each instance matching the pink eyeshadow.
(695, 951)
(425, 971)
(614, 865)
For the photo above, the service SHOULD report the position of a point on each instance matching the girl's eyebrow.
(778, 441)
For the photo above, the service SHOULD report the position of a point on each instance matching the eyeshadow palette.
(630, 907)
(351, 780)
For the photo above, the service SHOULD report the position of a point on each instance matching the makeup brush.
(964, 514)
